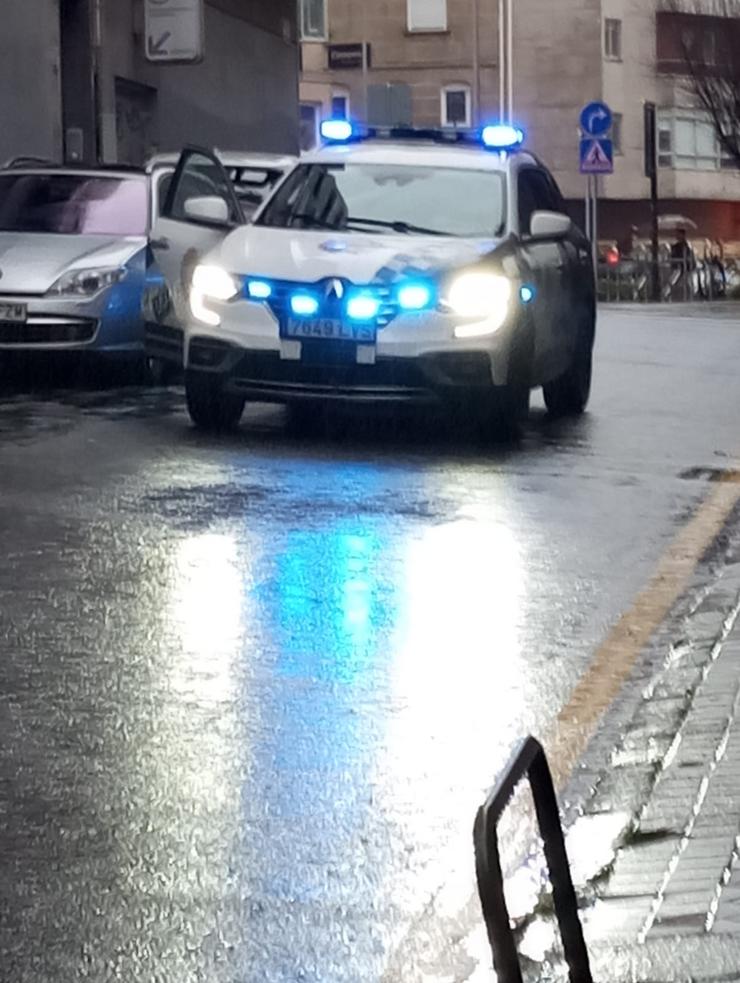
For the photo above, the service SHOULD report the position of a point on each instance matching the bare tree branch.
(706, 36)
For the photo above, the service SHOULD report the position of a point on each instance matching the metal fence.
(528, 761)
(631, 280)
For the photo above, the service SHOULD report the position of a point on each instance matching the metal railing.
(631, 280)
(528, 761)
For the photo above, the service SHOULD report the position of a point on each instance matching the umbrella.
(672, 223)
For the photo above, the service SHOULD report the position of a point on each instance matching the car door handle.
(162, 243)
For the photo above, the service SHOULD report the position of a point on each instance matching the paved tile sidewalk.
(668, 907)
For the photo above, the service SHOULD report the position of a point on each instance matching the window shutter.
(427, 15)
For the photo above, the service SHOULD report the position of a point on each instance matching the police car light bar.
(497, 136)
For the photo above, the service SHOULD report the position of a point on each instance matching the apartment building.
(436, 62)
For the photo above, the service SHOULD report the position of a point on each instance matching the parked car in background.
(75, 252)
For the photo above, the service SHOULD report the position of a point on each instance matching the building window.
(617, 133)
(687, 141)
(313, 20)
(456, 105)
(340, 106)
(426, 15)
(613, 39)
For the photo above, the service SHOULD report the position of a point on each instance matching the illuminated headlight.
(87, 283)
(210, 283)
(485, 297)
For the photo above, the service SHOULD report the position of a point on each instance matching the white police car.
(398, 266)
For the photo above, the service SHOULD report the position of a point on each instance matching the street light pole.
(96, 38)
(506, 60)
(502, 58)
(476, 64)
(510, 59)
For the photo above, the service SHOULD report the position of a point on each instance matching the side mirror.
(549, 225)
(209, 209)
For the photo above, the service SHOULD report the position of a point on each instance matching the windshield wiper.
(397, 226)
(317, 223)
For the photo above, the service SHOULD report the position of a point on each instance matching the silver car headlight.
(88, 282)
(210, 283)
(484, 298)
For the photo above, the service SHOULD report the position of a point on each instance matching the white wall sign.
(174, 30)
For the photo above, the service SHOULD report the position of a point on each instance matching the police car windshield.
(377, 198)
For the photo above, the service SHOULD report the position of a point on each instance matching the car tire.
(211, 408)
(568, 394)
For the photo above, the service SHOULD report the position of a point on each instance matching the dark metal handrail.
(529, 760)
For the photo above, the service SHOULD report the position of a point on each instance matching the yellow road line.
(616, 657)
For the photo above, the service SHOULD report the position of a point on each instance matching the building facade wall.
(426, 62)
(243, 95)
(30, 69)
(557, 69)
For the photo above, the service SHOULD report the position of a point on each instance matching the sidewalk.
(667, 907)
(709, 310)
(653, 813)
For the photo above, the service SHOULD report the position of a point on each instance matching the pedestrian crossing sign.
(597, 156)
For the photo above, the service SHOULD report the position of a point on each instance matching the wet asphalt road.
(252, 688)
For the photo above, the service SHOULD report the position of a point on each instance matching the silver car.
(75, 252)
(73, 246)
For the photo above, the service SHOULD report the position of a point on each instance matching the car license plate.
(12, 313)
(329, 329)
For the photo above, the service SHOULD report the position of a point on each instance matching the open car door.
(200, 209)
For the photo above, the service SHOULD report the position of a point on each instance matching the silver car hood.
(30, 263)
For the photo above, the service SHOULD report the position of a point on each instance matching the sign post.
(174, 31)
(596, 157)
(651, 172)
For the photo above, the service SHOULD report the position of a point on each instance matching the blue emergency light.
(414, 296)
(502, 136)
(337, 130)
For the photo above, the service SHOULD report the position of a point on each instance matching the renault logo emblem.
(334, 290)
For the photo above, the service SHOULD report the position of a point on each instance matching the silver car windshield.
(73, 204)
(396, 197)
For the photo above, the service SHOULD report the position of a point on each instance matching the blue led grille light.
(304, 305)
(363, 307)
(259, 289)
(414, 296)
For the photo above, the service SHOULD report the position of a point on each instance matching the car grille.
(330, 305)
(51, 331)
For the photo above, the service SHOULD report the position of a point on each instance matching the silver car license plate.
(329, 329)
(12, 313)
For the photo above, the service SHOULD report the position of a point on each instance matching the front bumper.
(266, 377)
(109, 322)
(416, 358)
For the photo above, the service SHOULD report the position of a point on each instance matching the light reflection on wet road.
(253, 688)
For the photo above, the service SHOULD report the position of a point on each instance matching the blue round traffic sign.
(596, 119)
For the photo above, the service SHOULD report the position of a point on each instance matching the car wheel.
(568, 394)
(210, 408)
